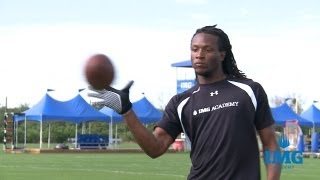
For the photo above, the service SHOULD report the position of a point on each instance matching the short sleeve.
(170, 120)
(263, 117)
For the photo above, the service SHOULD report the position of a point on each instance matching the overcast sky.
(44, 44)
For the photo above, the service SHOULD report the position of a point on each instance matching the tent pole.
(116, 135)
(110, 133)
(49, 133)
(313, 130)
(83, 128)
(41, 134)
(16, 132)
(25, 132)
(76, 136)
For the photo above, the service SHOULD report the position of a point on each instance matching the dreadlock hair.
(229, 64)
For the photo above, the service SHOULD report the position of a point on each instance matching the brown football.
(99, 71)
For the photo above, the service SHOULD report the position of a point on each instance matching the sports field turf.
(117, 166)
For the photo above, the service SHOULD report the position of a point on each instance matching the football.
(99, 71)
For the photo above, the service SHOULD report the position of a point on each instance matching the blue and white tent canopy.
(143, 108)
(185, 64)
(312, 114)
(283, 113)
(74, 110)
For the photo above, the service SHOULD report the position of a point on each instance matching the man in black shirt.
(220, 115)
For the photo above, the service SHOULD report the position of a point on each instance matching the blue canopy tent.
(115, 118)
(283, 113)
(49, 109)
(143, 108)
(74, 110)
(82, 111)
(185, 64)
(313, 115)
(112, 114)
(146, 112)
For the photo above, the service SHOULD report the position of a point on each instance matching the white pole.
(41, 133)
(110, 133)
(76, 136)
(49, 136)
(16, 131)
(83, 128)
(116, 135)
(25, 132)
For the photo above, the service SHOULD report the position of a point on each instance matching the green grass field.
(117, 166)
(120, 166)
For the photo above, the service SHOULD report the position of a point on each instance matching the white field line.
(97, 170)
(304, 175)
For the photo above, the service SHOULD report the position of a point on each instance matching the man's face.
(205, 55)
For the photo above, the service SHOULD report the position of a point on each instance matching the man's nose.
(200, 54)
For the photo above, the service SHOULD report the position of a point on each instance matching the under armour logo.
(195, 112)
(212, 93)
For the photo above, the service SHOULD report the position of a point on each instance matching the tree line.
(61, 131)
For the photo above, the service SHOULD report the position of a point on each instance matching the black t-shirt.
(220, 120)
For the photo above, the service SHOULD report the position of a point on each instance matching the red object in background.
(178, 145)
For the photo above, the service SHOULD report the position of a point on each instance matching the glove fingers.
(128, 86)
(98, 103)
(96, 90)
(94, 95)
(109, 88)
(91, 88)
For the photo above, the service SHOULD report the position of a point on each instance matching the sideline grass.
(135, 166)
(113, 166)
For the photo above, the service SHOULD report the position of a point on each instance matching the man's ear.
(222, 55)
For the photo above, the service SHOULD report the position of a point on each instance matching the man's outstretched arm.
(269, 142)
(153, 143)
